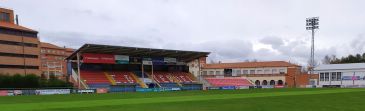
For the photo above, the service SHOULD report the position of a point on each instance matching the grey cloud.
(273, 41)
(75, 40)
(225, 28)
(358, 44)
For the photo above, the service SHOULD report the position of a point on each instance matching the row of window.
(18, 32)
(52, 51)
(266, 71)
(55, 73)
(18, 55)
(58, 58)
(50, 65)
(334, 76)
(4, 17)
(18, 43)
(19, 66)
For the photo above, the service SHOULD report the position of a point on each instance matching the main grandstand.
(127, 69)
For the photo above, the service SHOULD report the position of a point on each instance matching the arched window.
(264, 82)
(272, 82)
(257, 82)
(280, 82)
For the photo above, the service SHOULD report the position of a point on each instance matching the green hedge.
(30, 81)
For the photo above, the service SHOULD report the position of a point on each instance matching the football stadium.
(41, 76)
(130, 69)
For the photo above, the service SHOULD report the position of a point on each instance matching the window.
(321, 76)
(18, 32)
(259, 72)
(19, 66)
(282, 71)
(43, 50)
(274, 71)
(267, 71)
(333, 76)
(252, 71)
(18, 55)
(238, 71)
(4, 17)
(217, 72)
(326, 76)
(339, 76)
(18, 43)
(211, 72)
(204, 72)
(244, 71)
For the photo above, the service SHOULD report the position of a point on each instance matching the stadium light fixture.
(312, 24)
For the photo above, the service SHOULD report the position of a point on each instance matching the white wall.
(346, 73)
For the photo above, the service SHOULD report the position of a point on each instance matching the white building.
(344, 75)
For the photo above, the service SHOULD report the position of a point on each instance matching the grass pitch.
(218, 100)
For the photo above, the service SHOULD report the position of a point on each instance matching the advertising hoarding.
(52, 91)
(121, 59)
(98, 58)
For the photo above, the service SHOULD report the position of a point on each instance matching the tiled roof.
(14, 26)
(70, 50)
(249, 65)
(49, 45)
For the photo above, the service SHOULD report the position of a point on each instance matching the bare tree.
(326, 60)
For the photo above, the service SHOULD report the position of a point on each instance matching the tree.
(327, 60)
(358, 58)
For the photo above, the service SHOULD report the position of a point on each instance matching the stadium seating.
(123, 77)
(162, 77)
(183, 77)
(139, 74)
(231, 81)
(94, 77)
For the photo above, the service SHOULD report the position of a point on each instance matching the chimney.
(16, 20)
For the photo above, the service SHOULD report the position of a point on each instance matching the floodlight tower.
(312, 25)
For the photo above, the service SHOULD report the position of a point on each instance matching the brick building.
(19, 52)
(52, 60)
(259, 73)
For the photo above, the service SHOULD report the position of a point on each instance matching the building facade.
(52, 60)
(341, 75)
(278, 73)
(19, 46)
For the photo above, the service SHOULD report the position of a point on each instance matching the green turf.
(229, 100)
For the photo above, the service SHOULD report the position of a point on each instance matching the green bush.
(30, 81)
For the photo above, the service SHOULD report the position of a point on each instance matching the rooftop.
(49, 45)
(15, 27)
(138, 52)
(340, 66)
(249, 65)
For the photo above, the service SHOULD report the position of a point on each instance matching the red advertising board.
(3, 92)
(98, 58)
(101, 90)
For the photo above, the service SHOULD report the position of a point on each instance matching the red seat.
(123, 77)
(91, 77)
(162, 77)
(183, 77)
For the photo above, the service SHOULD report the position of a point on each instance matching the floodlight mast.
(312, 24)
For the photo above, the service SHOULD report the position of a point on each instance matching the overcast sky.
(233, 30)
